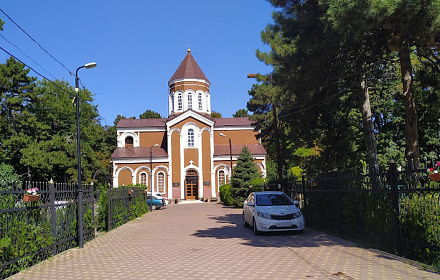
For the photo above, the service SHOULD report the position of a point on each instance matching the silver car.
(272, 211)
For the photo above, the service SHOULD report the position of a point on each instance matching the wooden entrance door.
(191, 186)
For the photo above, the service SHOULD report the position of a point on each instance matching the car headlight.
(263, 215)
(297, 214)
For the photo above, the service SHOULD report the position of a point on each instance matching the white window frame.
(158, 181)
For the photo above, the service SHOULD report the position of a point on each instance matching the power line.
(36, 42)
(26, 55)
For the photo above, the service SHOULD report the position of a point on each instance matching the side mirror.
(250, 204)
(296, 202)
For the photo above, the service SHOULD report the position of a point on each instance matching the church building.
(189, 154)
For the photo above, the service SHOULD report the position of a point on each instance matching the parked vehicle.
(159, 195)
(272, 211)
(158, 201)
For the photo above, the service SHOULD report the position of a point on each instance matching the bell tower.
(189, 89)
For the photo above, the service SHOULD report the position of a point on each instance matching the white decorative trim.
(188, 80)
(124, 168)
(123, 136)
(188, 114)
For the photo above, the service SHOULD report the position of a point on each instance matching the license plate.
(283, 224)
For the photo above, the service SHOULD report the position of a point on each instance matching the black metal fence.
(124, 204)
(32, 231)
(397, 211)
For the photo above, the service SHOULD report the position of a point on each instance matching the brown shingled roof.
(189, 69)
(242, 121)
(142, 122)
(139, 152)
(255, 149)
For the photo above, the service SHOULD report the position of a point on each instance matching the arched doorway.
(191, 185)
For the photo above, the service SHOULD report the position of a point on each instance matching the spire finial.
(189, 50)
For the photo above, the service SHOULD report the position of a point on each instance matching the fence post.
(53, 216)
(303, 181)
(395, 204)
(109, 212)
(337, 197)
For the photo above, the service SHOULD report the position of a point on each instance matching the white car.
(272, 211)
(158, 195)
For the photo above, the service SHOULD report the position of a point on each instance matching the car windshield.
(273, 199)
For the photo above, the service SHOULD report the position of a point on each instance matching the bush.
(226, 195)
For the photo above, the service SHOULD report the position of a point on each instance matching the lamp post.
(151, 176)
(78, 141)
(230, 151)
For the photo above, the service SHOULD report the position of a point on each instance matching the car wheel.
(157, 207)
(245, 224)
(254, 227)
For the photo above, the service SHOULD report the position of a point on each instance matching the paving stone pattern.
(208, 241)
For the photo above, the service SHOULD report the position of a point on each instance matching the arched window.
(207, 103)
(172, 103)
(221, 177)
(129, 142)
(200, 102)
(190, 137)
(179, 102)
(161, 182)
(190, 101)
(143, 180)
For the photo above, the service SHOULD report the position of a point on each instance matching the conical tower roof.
(189, 69)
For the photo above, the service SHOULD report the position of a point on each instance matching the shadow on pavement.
(233, 228)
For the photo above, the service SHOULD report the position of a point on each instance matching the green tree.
(406, 26)
(17, 124)
(7, 173)
(241, 113)
(215, 114)
(150, 115)
(244, 172)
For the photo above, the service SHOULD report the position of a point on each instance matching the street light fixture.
(230, 151)
(151, 176)
(78, 140)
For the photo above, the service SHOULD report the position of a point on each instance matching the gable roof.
(189, 69)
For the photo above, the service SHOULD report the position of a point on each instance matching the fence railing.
(124, 204)
(31, 231)
(397, 211)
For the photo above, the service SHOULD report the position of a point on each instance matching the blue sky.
(138, 45)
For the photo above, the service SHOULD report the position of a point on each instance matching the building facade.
(189, 154)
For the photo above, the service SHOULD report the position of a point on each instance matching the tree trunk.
(411, 127)
(370, 138)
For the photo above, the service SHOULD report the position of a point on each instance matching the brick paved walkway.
(207, 241)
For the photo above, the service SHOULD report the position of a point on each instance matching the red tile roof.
(255, 149)
(139, 152)
(189, 69)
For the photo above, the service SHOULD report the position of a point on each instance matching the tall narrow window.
(190, 137)
(221, 177)
(190, 101)
(161, 182)
(143, 179)
(200, 102)
(207, 103)
(179, 102)
(172, 103)
(129, 142)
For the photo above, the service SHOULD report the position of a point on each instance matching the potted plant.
(31, 194)
(434, 172)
